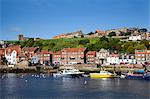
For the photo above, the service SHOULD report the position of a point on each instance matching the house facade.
(90, 57)
(135, 38)
(29, 51)
(101, 56)
(113, 59)
(56, 58)
(73, 55)
(11, 54)
(142, 56)
(127, 59)
(45, 57)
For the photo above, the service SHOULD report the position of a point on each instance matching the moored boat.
(69, 73)
(147, 76)
(102, 74)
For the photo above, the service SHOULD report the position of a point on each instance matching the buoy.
(85, 82)
(26, 80)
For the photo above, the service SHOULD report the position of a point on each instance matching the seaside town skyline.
(75, 49)
(46, 19)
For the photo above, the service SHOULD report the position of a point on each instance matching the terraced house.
(73, 55)
(142, 56)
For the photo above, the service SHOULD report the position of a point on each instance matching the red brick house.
(45, 57)
(73, 55)
(142, 56)
(57, 58)
(90, 57)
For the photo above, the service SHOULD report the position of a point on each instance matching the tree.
(37, 43)
(130, 50)
(127, 34)
(112, 34)
(146, 43)
(126, 45)
(84, 41)
(4, 61)
(141, 47)
(103, 38)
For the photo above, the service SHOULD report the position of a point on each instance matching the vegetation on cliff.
(93, 44)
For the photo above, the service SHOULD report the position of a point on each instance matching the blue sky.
(47, 18)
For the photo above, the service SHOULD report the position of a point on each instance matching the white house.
(127, 59)
(113, 59)
(101, 56)
(135, 38)
(11, 57)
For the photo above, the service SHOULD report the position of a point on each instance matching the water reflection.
(45, 86)
(9, 83)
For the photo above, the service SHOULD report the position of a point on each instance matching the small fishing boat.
(147, 76)
(69, 73)
(102, 74)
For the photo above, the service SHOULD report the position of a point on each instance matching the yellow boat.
(102, 74)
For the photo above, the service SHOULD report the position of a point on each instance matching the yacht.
(69, 73)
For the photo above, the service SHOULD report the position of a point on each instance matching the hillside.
(93, 44)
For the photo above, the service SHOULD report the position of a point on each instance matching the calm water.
(14, 86)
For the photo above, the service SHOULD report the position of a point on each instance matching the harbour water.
(44, 86)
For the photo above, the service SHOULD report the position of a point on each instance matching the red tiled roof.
(140, 52)
(30, 49)
(59, 36)
(45, 52)
(57, 53)
(91, 53)
(74, 49)
(13, 47)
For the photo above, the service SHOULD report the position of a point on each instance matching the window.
(62, 58)
(72, 58)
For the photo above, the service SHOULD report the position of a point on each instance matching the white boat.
(69, 73)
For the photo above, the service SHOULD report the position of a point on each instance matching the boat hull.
(68, 75)
(98, 75)
(134, 77)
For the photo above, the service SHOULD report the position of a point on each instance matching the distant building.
(59, 36)
(45, 57)
(74, 34)
(113, 59)
(69, 35)
(30, 51)
(20, 37)
(2, 42)
(90, 57)
(142, 56)
(11, 53)
(101, 56)
(57, 58)
(146, 36)
(98, 33)
(127, 59)
(135, 38)
(34, 59)
(73, 55)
